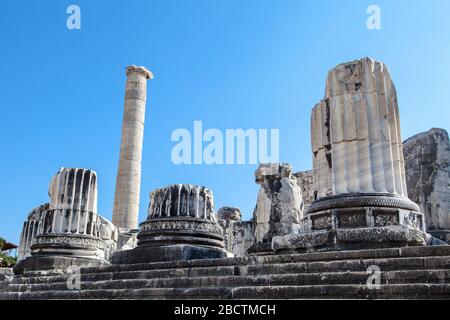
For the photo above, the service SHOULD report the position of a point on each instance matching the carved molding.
(355, 200)
(181, 225)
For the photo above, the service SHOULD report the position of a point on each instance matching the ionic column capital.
(139, 70)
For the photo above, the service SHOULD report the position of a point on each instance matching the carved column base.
(63, 251)
(349, 239)
(174, 238)
(356, 221)
(180, 230)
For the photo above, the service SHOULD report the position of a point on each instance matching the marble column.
(128, 181)
(355, 133)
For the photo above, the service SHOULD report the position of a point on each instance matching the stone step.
(147, 293)
(410, 263)
(415, 272)
(392, 277)
(144, 274)
(391, 291)
(389, 264)
(287, 258)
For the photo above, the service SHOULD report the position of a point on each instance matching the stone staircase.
(406, 273)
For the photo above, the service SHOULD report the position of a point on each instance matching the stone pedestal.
(359, 173)
(67, 232)
(278, 208)
(180, 226)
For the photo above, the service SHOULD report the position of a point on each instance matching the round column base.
(349, 239)
(354, 222)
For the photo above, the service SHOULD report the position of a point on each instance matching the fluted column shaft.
(356, 133)
(73, 205)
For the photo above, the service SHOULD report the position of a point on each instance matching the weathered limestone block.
(242, 237)
(278, 208)
(67, 232)
(227, 216)
(238, 235)
(305, 180)
(181, 225)
(109, 233)
(427, 157)
(127, 240)
(359, 175)
(128, 182)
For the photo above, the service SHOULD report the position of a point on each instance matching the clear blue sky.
(232, 64)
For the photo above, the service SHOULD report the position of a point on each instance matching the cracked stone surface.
(305, 180)
(279, 204)
(355, 132)
(427, 157)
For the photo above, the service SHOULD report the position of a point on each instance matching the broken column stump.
(279, 206)
(181, 225)
(359, 172)
(67, 232)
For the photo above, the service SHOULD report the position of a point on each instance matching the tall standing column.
(128, 181)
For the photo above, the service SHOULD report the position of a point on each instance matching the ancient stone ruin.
(359, 176)
(238, 234)
(305, 180)
(369, 201)
(67, 232)
(427, 157)
(227, 216)
(278, 208)
(30, 229)
(181, 225)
